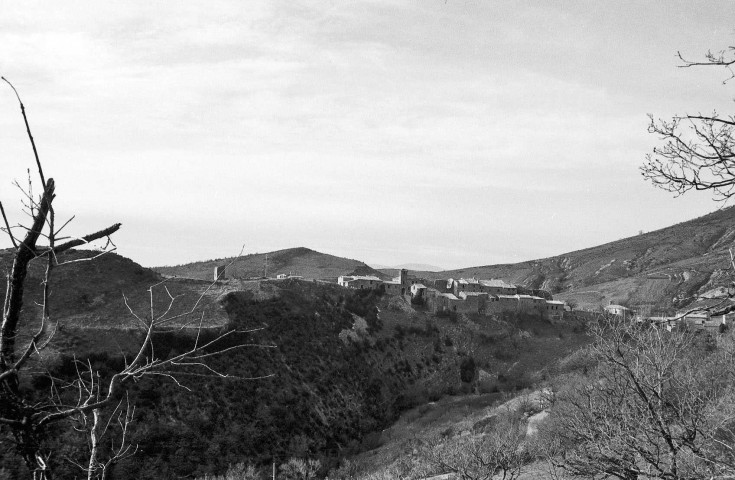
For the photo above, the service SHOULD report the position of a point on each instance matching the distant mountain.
(663, 269)
(295, 261)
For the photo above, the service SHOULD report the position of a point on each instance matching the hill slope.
(296, 261)
(665, 269)
(326, 391)
(88, 299)
(346, 363)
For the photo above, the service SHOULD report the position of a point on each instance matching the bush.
(346, 471)
(298, 469)
(467, 369)
(238, 471)
(449, 314)
(617, 414)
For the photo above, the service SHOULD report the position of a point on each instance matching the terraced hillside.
(665, 269)
(297, 261)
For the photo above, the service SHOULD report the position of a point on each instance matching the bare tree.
(497, 454)
(697, 151)
(658, 405)
(95, 404)
(298, 469)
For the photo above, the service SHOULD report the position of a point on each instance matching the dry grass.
(652, 268)
(297, 261)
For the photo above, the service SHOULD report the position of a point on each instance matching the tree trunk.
(94, 438)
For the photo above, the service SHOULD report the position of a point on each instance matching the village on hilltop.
(494, 296)
(471, 295)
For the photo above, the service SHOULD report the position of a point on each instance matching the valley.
(343, 374)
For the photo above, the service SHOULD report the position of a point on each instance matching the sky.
(448, 132)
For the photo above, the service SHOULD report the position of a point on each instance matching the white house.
(618, 310)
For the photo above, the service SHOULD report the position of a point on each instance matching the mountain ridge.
(409, 266)
(300, 261)
(664, 269)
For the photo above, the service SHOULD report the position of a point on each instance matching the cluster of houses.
(701, 318)
(471, 295)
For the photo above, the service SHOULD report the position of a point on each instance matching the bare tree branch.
(83, 240)
(7, 226)
(28, 130)
(697, 151)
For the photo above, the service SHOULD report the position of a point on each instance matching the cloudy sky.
(456, 133)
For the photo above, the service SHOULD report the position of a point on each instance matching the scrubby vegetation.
(655, 404)
(330, 394)
(323, 398)
(639, 402)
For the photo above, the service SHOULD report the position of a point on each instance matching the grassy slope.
(665, 268)
(297, 261)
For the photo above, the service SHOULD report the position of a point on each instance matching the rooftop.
(497, 283)
(350, 278)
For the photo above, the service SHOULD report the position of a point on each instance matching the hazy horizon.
(435, 268)
(448, 133)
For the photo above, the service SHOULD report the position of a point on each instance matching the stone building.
(400, 285)
(359, 282)
(498, 287)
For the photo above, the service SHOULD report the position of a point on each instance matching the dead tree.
(501, 453)
(697, 151)
(99, 405)
(658, 405)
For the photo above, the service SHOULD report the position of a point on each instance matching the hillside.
(326, 391)
(346, 363)
(89, 296)
(301, 261)
(664, 269)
